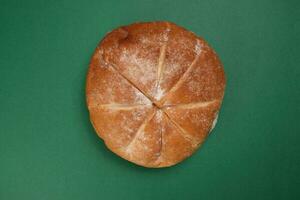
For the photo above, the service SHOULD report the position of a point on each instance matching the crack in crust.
(200, 104)
(130, 82)
(161, 145)
(114, 106)
(161, 62)
(182, 131)
(140, 130)
(112, 66)
(185, 74)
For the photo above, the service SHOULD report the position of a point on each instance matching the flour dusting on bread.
(153, 91)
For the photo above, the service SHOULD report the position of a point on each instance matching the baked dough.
(153, 92)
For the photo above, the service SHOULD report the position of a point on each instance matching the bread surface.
(153, 92)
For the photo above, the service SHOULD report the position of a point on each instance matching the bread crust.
(153, 92)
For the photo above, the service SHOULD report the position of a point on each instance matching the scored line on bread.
(185, 74)
(127, 79)
(192, 105)
(161, 60)
(183, 132)
(115, 106)
(140, 130)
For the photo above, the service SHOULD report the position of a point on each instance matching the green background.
(49, 150)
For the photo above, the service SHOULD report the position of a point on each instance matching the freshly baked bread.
(153, 92)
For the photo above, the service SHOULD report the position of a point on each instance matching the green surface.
(49, 150)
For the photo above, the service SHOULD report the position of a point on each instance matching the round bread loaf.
(153, 92)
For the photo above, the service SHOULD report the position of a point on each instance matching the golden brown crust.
(153, 91)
